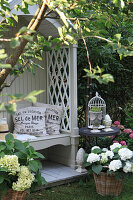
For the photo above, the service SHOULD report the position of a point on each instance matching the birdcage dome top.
(97, 101)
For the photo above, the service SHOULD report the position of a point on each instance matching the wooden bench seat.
(50, 140)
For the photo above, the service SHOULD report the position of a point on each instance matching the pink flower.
(131, 135)
(117, 123)
(127, 130)
(123, 143)
(120, 127)
(115, 141)
(131, 132)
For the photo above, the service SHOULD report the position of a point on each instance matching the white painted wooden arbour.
(59, 80)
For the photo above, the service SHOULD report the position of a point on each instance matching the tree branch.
(4, 40)
(88, 56)
(99, 37)
(33, 25)
(39, 17)
(10, 84)
(102, 38)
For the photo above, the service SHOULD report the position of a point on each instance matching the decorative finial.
(97, 94)
(80, 161)
(107, 123)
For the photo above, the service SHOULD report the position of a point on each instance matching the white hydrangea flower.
(128, 167)
(21, 184)
(92, 157)
(114, 146)
(25, 173)
(104, 158)
(11, 163)
(95, 147)
(104, 149)
(25, 179)
(115, 165)
(109, 154)
(125, 154)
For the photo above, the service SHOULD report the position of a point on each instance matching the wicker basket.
(14, 195)
(107, 184)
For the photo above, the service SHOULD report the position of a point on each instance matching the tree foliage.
(103, 20)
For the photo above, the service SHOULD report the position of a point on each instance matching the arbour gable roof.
(48, 27)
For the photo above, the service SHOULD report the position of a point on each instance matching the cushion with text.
(53, 117)
(30, 120)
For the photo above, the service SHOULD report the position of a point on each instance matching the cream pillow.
(30, 120)
(53, 117)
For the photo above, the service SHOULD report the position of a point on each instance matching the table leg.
(90, 142)
(96, 142)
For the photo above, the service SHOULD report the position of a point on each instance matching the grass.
(80, 191)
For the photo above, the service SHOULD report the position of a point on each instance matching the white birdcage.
(99, 102)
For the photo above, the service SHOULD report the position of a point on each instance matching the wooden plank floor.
(57, 174)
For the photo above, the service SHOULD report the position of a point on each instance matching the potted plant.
(19, 169)
(109, 167)
(95, 115)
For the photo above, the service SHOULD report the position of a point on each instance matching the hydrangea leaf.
(97, 168)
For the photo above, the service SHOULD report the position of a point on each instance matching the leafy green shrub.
(117, 94)
(17, 158)
(129, 115)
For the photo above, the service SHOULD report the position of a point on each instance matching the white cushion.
(24, 137)
(30, 120)
(53, 117)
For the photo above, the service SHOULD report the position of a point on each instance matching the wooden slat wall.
(24, 85)
(27, 82)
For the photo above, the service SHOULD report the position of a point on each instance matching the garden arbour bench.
(59, 81)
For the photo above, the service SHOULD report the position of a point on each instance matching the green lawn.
(81, 191)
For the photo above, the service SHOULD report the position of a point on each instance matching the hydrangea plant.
(19, 166)
(116, 159)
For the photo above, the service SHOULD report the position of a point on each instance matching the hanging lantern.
(97, 112)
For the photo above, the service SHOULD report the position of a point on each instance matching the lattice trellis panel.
(58, 63)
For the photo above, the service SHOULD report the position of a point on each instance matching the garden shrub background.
(116, 24)
(117, 95)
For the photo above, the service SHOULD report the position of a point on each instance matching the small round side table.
(85, 131)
